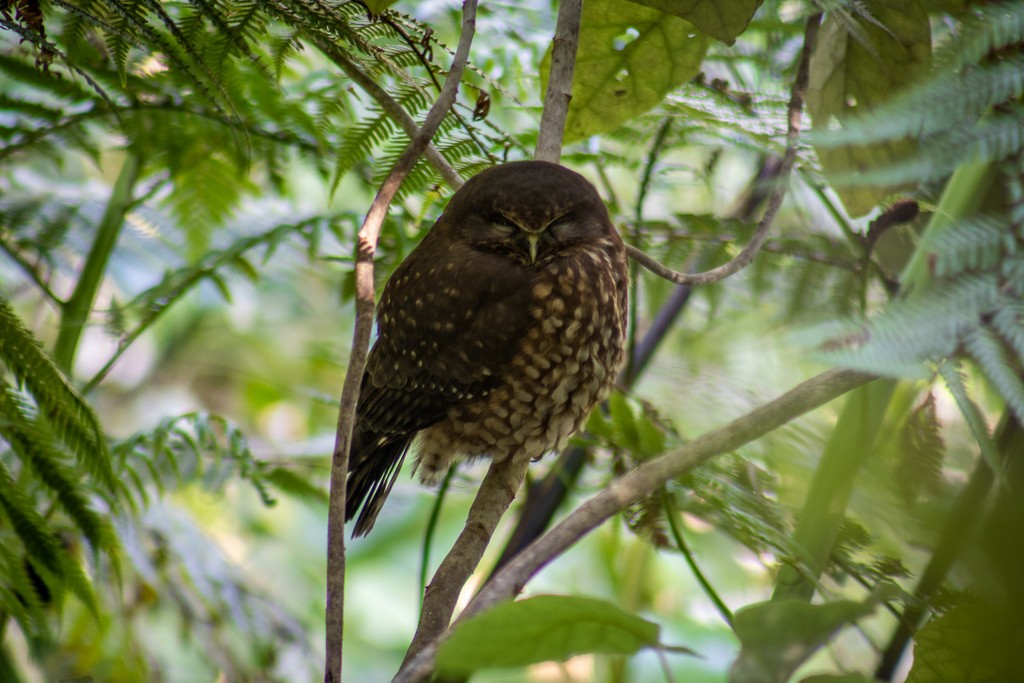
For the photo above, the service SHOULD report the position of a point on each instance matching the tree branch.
(368, 235)
(497, 491)
(746, 257)
(559, 92)
(641, 482)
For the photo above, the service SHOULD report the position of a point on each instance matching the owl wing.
(449, 323)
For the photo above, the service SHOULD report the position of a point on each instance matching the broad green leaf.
(540, 629)
(629, 58)
(855, 68)
(778, 636)
(723, 20)
(970, 644)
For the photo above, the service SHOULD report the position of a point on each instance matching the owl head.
(532, 211)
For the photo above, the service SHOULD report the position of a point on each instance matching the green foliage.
(60, 405)
(629, 58)
(972, 643)
(859, 63)
(259, 132)
(195, 448)
(778, 636)
(543, 628)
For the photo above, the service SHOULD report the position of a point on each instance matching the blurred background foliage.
(180, 184)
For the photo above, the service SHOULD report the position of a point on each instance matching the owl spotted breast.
(496, 336)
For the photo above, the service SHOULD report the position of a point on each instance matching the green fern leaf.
(72, 418)
(987, 349)
(34, 447)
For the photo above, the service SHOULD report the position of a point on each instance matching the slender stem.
(367, 243)
(962, 520)
(428, 537)
(75, 311)
(962, 196)
(559, 91)
(672, 514)
(30, 270)
(746, 256)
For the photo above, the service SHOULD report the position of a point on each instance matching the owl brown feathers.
(496, 335)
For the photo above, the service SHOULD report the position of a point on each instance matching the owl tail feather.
(372, 471)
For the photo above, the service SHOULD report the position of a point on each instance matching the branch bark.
(746, 257)
(641, 482)
(559, 92)
(367, 242)
(497, 491)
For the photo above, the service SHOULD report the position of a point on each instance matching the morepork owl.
(496, 336)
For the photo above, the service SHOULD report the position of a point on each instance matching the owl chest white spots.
(565, 363)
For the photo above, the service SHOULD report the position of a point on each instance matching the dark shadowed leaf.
(778, 636)
(857, 65)
(970, 644)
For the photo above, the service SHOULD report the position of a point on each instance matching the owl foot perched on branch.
(496, 335)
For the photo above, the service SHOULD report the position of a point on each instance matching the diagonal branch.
(644, 481)
(497, 491)
(368, 235)
(746, 257)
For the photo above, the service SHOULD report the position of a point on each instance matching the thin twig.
(643, 481)
(746, 257)
(435, 515)
(368, 234)
(559, 92)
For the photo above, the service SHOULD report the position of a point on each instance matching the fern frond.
(192, 448)
(1008, 377)
(33, 445)
(919, 467)
(901, 340)
(72, 418)
(1008, 321)
(979, 243)
(946, 101)
(994, 139)
(953, 375)
(19, 596)
(37, 537)
(995, 27)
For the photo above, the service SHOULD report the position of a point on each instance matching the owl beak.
(533, 239)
